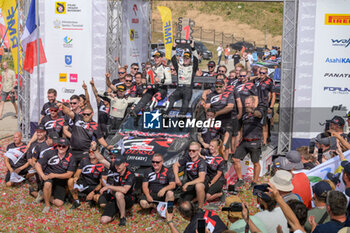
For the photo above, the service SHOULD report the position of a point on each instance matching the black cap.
(211, 63)
(338, 120)
(41, 128)
(54, 136)
(54, 106)
(321, 188)
(121, 87)
(221, 81)
(346, 165)
(334, 177)
(347, 115)
(187, 53)
(63, 141)
(119, 160)
(157, 54)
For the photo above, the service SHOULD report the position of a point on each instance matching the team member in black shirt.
(87, 178)
(251, 142)
(54, 168)
(196, 185)
(53, 122)
(51, 96)
(215, 167)
(120, 186)
(83, 131)
(16, 162)
(206, 134)
(68, 122)
(157, 184)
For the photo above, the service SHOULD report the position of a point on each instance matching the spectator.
(236, 58)
(55, 168)
(306, 157)
(227, 54)
(320, 214)
(245, 62)
(196, 168)
(134, 68)
(283, 182)
(220, 49)
(158, 183)
(7, 87)
(15, 159)
(128, 84)
(336, 128)
(121, 76)
(336, 208)
(190, 213)
(323, 145)
(252, 135)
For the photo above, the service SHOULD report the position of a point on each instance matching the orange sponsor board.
(337, 19)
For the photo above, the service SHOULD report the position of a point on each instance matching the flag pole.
(37, 53)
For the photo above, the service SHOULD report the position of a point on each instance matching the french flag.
(29, 42)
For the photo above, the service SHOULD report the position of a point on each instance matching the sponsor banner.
(165, 13)
(135, 31)
(320, 172)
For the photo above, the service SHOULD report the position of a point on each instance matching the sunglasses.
(243, 75)
(157, 162)
(222, 71)
(192, 150)
(218, 86)
(53, 110)
(129, 81)
(211, 66)
(73, 103)
(135, 68)
(121, 72)
(172, 69)
(61, 146)
(262, 72)
(87, 114)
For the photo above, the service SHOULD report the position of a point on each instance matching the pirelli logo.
(337, 19)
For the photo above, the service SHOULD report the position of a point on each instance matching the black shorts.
(112, 209)
(154, 196)
(78, 155)
(21, 173)
(105, 198)
(240, 124)
(190, 194)
(235, 127)
(59, 188)
(89, 189)
(252, 147)
(217, 187)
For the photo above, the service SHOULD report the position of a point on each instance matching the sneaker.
(40, 197)
(122, 222)
(46, 209)
(252, 185)
(75, 205)
(239, 183)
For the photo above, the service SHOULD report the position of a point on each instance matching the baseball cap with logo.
(187, 53)
(321, 188)
(158, 54)
(54, 136)
(121, 87)
(54, 106)
(338, 121)
(63, 141)
(119, 160)
(220, 81)
(211, 63)
(283, 181)
(322, 139)
(295, 158)
(283, 163)
(40, 128)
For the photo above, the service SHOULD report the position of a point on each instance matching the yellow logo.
(132, 35)
(63, 77)
(60, 8)
(337, 19)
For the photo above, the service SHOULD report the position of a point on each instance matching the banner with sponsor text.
(165, 13)
(322, 77)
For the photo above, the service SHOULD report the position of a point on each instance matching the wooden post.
(214, 36)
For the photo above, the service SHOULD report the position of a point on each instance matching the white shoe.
(46, 209)
(40, 197)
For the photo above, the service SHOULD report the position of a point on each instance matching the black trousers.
(184, 93)
(147, 97)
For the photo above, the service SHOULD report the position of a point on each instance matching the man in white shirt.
(7, 88)
(220, 49)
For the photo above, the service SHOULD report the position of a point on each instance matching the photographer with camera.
(200, 221)
(336, 129)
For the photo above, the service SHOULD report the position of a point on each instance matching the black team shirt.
(193, 168)
(213, 222)
(90, 173)
(157, 181)
(214, 164)
(264, 87)
(220, 101)
(53, 125)
(51, 163)
(83, 132)
(121, 180)
(21, 154)
(252, 126)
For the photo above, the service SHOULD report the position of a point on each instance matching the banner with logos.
(74, 37)
(165, 13)
(136, 27)
(322, 66)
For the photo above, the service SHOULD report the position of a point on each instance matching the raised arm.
(66, 110)
(94, 90)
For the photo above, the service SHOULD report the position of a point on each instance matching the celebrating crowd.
(64, 154)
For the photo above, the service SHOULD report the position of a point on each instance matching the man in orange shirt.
(292, 162)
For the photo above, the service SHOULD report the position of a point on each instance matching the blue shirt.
(332, 226)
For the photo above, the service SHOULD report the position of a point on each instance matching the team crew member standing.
(215, 167)
(121, 189)
(87, 179)
(68, 122)
(162, 77)
(196, 185)
(251, 143)
(51, 96)
(157, 184)
(56, 166)
(83, 131)
(185, 74)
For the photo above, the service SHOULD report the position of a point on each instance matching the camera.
(234, 207)
(261, 187)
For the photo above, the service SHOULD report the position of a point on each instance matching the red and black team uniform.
(192, 170)
(51, 163)
(252, 136)
(90, 175)
(265, 88)
(136, 91)
(69, 121)
(213, 222)
(82, 135)
(17, 158)
(157, 181)
(51, 125)
(209, 134)
(115, 179)
(45, 111)
(215, 164)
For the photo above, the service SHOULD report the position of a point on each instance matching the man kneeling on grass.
(55, 168)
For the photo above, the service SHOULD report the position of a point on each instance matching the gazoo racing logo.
(89, 169)
(341, 42)
(337, 90)
(154, 120)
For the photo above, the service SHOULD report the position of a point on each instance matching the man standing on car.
(251, 142)
(185, 75)
(196, 168)
(157, 184)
